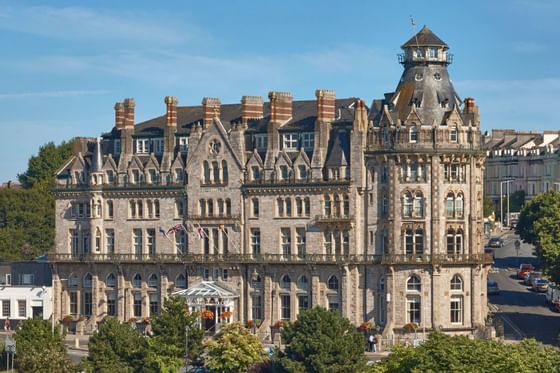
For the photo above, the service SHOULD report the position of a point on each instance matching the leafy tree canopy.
(322, 341)
(443, 353)
(234, 349)
(116, 347)
(539, 224)
(487, 206)
(39, 349)
(42, 166)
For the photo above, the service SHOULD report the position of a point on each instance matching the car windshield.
(542, 281)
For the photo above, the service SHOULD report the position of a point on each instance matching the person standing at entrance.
(7, 325)
(371, 343)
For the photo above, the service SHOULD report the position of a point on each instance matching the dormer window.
(183, 144)
(418, 53)
(157, 146)
(291, 141)
(453, 134)
(413, 135)
(432, 53)
(142, 146)
(261, 141)
(307, 140)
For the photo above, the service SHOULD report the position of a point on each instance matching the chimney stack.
(325, 104)
(210, 110)
(280, 106)
(171, 114)
(119, 115)
(129, 113)
(469, 105)
(251, 108)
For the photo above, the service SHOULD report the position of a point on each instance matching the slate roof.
(424, 38)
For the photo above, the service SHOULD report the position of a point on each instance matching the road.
(523, 311)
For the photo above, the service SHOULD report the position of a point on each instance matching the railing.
(278, 258)
(218, 219)
(121, 185)
(334, 218)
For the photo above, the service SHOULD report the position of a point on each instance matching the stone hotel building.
(273, 207)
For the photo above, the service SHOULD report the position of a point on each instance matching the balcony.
(438, 259)
(334, 219)
(214, 219)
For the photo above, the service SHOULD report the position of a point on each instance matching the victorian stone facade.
(374, 212)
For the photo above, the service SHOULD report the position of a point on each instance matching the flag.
(162, 231)
(175, 228)
(200, 232)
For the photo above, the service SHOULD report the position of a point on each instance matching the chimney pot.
(325, 104)
(129, 105)
(251, 108)
(210, 110)
(280, 106)
(171, 114)
(119, 115)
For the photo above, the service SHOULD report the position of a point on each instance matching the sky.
(64, 64)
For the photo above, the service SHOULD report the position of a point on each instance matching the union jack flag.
(178, 227)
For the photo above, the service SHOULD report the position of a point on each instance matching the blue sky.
(64, 64)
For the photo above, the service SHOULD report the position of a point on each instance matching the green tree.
(539, 224)
(487, 206)
(42, 166)
(169, 330)
(443, 353)
(39, 349)
(322, 341)
(116, 347)
(234, 349)
(516, 201)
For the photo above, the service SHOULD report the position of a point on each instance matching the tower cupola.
(425, 48)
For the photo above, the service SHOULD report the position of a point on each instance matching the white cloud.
(83, 24)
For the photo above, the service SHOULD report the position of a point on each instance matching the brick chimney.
(171, 113)
(325, 105)
(469, 105)
(119, 115)
(251, 108)
(280, 106)
(129, 113)
(210, 110)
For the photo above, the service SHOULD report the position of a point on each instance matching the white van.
(553, 296)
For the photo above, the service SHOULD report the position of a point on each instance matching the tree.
(234, 349)
(169, 330)
(42, 166)
(443, 353)
(116, 347)
(27, 215)
(487, 206)
(516, 200)
(322, 341)
(539, 224)
(39, 349)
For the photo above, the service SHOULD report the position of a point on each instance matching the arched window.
(450, 205)
(221, 210)
(456, 283)
(156, 208)
(97, 239)
(302, 283)
(111, 281)
(327, 242)
(181, 282)
(73, 280)
(210, 207)
(153, 281)
(206, 172)
(224, 172)
(328, 207)
(407, 205)
(413, 171)
(132, 209)
(307, 206)
(137, 281)
(280, 207)
(459, 241)
(459, 205)
(288, 206)
(419, 241)
(139, 208)
(408, 242)
(286, 282)
(216, 172)
(332, 284)
(87, 281)
(418, 205)
(150, 209)
(450, 241)
(228, 207)
(413, 283)
(202, 207)
(346, 205)
(257, 283)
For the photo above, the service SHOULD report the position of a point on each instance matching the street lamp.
(507, 182)
(254, 278)
(186, 348)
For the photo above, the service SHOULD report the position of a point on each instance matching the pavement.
(524, 312)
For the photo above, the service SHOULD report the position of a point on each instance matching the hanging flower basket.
(250, 324)
(279, 324)
(410, 327)
(207, 315)
(225, 315)
(367, 325)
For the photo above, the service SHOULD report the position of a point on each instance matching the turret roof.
(424, 37)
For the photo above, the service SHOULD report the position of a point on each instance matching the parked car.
(524, 269)
(513, 223)
(529, 278)
(492, 287)
(552, 294)
(540, 285)
(496, 242)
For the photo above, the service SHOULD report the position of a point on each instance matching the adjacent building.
(263, 209)
(521, 161)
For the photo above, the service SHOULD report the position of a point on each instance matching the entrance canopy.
(207, 293)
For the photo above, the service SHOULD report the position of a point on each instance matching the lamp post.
(507, 182)
(254, 277)
(186, 348)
